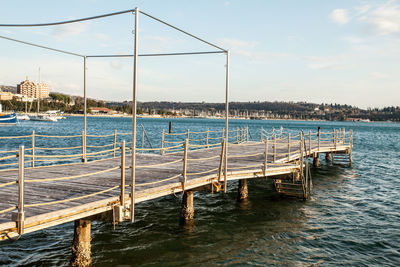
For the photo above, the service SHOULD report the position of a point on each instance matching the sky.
(343, 51)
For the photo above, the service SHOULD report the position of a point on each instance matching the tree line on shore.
(256, 109)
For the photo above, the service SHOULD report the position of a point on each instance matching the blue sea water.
(352, 218)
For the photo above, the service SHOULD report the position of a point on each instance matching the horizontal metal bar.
(41, 46)
(176, 28)
(93, 56)
(162, 54)
(67, 21)
(181, 54)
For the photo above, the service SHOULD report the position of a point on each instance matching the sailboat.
(44, 116)
(7, 119)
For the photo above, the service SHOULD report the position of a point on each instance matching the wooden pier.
(87, 185)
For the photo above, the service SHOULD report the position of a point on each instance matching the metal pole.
(21, 213)
(226, 117)
(84, 107)
(134, 106)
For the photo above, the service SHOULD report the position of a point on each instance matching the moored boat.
(43, 117)
(7, 119)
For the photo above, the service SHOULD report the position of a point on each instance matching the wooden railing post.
(351, 147)
(221, 160)
(188, 135)
(33, 149)
(207, 133)
(142, 140)
(123, 163)
(162, 143)
(21, 184)
(344, 136)
(351, 139)
(288, 153)
(309, 142)
(265, 157)
(274, 155)
(334, 138)
(319, 139)
(247, 133)
(241, 134)
(115, 142)
(262, 135)
(237, 135)
(185, 154)
(84, 159)
(226, 164)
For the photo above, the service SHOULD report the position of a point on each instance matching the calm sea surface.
(352, 219)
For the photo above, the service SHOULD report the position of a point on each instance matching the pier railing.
(41, 150)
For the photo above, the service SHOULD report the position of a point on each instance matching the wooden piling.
(328, 156)
(81, 248)
(316, 160)
(170, 127)
(187, 211)
(243, 191)
(261, 135)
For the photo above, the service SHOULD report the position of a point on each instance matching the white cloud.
(340, 16)
(383, 20)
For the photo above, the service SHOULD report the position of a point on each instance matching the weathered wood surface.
(238, 168)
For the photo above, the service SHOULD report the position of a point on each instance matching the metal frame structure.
(135, 56)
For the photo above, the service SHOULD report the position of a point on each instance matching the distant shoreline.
(190, 117)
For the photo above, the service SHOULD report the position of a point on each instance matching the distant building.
(6, 95)
(32, 89)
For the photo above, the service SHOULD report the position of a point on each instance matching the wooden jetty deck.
(60, 193)
(50, 193)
